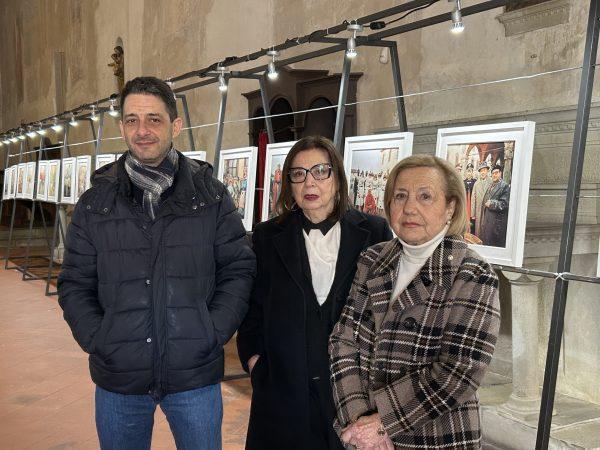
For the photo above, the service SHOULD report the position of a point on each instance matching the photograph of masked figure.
(494, 163)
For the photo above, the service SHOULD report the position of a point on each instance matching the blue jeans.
(124, 422)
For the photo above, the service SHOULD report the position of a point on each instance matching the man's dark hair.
(151, 86)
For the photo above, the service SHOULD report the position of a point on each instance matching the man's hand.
(252, 362)
(364, 434)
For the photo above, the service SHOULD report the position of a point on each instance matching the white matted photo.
(6, 184)
(29, 180)
(53, 183)
(83, 174)
(368, 161)
(275, 157)
(42, 174)
(13, 182)
(21, 169)
(237, 171)
(67, 194)
(104, 159)
(197, 155)
(494, 162)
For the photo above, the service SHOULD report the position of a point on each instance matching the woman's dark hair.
(286, 200)
(151, 86)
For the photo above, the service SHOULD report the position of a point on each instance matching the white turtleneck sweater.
(322, 251)
(412, 260)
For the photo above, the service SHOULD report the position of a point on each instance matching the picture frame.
(104, 159)
(368, 161)
(21, 169)
(199, 155)
(53, 181)
(6, 184)
(13, 182)
(30, 174)
(82, 176)
(498, 154)
(42, 174)
(237, 171)
(275, 156)
(67, 182)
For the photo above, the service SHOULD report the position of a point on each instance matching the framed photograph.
(53, 183)
(21, 169)
(198, 156)
(368, 161)
(275, 157)
(84, 172)
(6, 184)
(29, 180)
(495, 163)
(67, 194)
(237, 171)
(41, 181)
(104, 159)
(13, 182)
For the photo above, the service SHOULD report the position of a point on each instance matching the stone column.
(524, 401)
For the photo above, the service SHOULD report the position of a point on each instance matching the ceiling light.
(457, 23)
(73, 122)
(41, 130)
(271, 69)
(31, 132)
(22, 134)
(93, 115)
(112, 110)
(351, 45)
(13, 138)
(56, 126)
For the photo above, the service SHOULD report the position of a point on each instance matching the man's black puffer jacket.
(153, 302)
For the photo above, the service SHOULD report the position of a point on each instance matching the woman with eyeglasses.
(306, 263)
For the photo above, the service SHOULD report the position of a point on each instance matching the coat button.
(88, 207)
(194, 206)
(148, 282)
(149, 340)
(367, 314)
(409, 323)
(105, 210)
(218, 197)
(201, 203)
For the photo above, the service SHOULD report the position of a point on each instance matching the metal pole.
(569, 223)
(12, 218)
(98, 141)
(266, 109)
(6, 160)
(186, 115)
(220, 125)
(398, 86)
(341, 108)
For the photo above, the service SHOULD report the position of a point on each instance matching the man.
(156, 279)
(495, 210)
(469, 183)
(479, 189)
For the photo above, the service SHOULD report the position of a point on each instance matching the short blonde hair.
(454, 188)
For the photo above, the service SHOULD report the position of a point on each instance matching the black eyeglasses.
(318, 171)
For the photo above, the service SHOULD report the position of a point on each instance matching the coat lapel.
(287, 244)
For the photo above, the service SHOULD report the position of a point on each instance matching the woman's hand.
(252, 362)
(365, 434)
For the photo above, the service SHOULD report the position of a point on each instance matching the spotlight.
(93, 115)
(41, 130)
(56, 126)
(112, 110)
(351, 45)
(22, 134)
(73, 122)
(457, 23)
(31, 132)
(271, 69)
(13, 139)
(5, 140)
(222, 80)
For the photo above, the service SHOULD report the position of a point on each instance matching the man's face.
(483, 173)
(496, 174)
(147, 128)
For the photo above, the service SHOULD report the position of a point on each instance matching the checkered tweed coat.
(419, 360)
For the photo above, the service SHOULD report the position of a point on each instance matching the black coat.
(275, 325)
(153, 302)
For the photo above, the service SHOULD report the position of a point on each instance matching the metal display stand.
(12, 219)
(6, 159)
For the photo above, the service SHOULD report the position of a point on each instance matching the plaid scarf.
(152, 180)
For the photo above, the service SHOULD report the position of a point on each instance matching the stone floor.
(46, 396)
